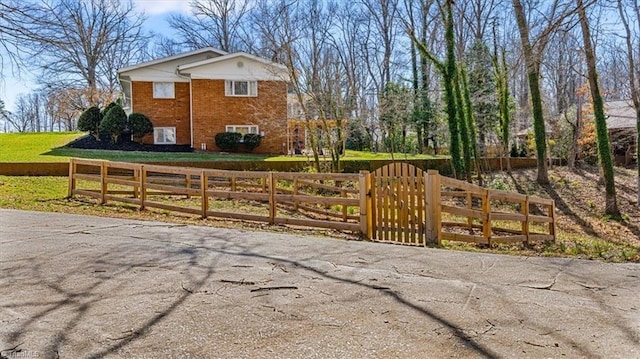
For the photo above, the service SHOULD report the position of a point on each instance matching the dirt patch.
(580, 196)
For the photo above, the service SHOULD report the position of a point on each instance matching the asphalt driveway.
(88, 287)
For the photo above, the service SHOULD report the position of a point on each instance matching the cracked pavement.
(90, 287)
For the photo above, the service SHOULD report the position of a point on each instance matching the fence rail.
(488, 216)
(452, 210)
(301, 199)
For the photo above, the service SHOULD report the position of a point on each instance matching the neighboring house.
(192, 96)
(621, 124)
(298, 127)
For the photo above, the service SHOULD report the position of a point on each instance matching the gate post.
(434, 214)
(365, 199)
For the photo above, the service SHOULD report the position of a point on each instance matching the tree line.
(464, 78)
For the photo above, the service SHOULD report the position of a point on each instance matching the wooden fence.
(437, 208)
(302, 199)
(471, 213)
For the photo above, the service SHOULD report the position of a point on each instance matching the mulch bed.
(124, 144)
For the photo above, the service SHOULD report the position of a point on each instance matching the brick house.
(192, 96)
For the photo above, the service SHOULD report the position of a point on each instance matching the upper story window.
(241, 88)
(164, 90)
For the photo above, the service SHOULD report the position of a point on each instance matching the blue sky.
(156, 11)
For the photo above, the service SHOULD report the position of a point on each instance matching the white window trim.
(164, 136)
(230, 87)
(234, 128)
(172, 93)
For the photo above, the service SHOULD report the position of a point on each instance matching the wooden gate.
(398, 209)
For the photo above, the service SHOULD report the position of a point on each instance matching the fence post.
(136, 178)
(363, 180)
(434, 213)
(103, 182)
(470, 206)
(552, 225)
(187, 183)
(272, 199)
(486, 222)
(72, 177)
(525, 224)
(204, 187)
(295, 194)
(143, 186)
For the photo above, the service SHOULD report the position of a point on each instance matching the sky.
(156, 11)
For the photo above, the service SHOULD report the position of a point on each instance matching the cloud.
(157, 7)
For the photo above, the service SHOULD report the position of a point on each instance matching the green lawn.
(33, 147)
(49, 147)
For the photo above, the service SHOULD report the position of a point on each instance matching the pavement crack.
(469, 297)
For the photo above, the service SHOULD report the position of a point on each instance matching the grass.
(34, 147)
(49, 147)
(48, 194)
(64, 153)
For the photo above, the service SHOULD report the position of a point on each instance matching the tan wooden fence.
(398, 203)
(462, 211)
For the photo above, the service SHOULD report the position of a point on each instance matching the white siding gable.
(165, 71)
(236, 67)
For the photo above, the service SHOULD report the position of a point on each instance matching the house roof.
(230, 57)
(620, 114)
(524, 133)
(172, 58)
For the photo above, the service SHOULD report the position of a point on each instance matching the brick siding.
(213, 111)
(164, 112)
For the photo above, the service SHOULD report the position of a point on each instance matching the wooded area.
(427, 76)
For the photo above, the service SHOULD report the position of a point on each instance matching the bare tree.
(23, 118)
(165, 46)
(11, 33)
(379, 43)
(4, 116)
(478, 16)
(77, 43)
(604, 149)
(216, 23)
(533, 47)
(634, 73)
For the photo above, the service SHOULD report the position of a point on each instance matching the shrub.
(114, 122)
(90, 121)
(139, 125)
(251, 141)
(109, 107)
(228, 141)
(514, 151)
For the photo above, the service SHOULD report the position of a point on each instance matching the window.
(241, 88)
(244, 129)
(164, 135)
(164, 90)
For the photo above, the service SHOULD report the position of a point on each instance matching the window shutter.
(253, 88)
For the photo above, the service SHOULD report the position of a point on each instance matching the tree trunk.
(633, 85)
(450, 74)
(575, 146)
(471, 122)
(532, 62)
(604, 148)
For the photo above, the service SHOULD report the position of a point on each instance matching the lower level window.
(164, 135)
(243, 129)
